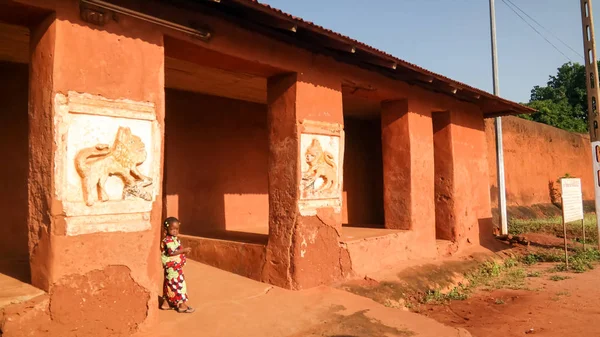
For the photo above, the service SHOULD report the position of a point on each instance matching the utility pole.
(498, 124)
(591, 71)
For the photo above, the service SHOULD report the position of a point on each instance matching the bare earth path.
(556, 309)
(230, 305)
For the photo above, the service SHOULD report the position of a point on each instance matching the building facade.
(291, 154)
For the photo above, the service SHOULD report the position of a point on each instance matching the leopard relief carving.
(96, 164)
(321, 165)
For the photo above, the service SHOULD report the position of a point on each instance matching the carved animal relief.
(321, 176)
(96, 164)
(321, 152)
(106, 164)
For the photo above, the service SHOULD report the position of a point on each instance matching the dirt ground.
(522, 299)
(554, 304)
(553, 309)
(230, 305)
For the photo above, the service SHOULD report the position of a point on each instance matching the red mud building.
(292, 155)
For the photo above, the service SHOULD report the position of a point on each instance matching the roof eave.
(375, 59)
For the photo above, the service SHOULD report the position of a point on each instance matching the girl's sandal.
(187, 310)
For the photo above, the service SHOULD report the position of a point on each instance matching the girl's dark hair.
(169, 221)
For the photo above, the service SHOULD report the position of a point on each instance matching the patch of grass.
(499, 301)
(490, 275)
(553, 225)
(513, 279)
(547, 255)
(456, 294)
(529, 259)
(559, 267)
(511, 274)
(580, 261)
(511, 262)
(437, 297)
(559, 278)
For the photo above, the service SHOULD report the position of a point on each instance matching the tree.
(563, 101)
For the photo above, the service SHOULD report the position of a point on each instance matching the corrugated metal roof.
(303, 24)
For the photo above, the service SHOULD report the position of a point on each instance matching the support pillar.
(471, 197)
(408, 167)
(305, 182)
(445, 217)
(94, 224)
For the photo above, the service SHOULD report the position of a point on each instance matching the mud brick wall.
(535, 155)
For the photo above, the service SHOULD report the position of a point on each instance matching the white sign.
(572, 201)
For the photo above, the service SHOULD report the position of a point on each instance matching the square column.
(445, 213)
(305, 182)
(408, 167)
(96, 112)
(471, 197)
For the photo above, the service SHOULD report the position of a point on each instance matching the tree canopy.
(562, 103)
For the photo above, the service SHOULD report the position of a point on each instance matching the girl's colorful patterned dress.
(174, 288)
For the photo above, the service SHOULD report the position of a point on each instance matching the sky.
(452, 37)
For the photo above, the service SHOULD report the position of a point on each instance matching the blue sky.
(452, 37)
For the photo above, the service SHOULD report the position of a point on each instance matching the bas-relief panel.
(321, 161)
(107, 163)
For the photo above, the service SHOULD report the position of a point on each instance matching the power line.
(546, 29)
(537, 31)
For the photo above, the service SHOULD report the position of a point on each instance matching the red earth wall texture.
(216, 155)
(534, 155)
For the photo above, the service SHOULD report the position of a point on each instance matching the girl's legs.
(175, 290)
(165, 305)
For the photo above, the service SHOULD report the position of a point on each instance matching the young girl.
(173, 259)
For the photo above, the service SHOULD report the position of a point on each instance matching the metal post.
(566, 244)
(583, 230)
(591, 71)
(498, 124)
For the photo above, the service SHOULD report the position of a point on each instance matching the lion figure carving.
(321, 165)
(96, 164)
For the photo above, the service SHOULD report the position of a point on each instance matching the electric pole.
(591, 71)
(498, 124)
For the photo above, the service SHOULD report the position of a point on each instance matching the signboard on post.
(572, 208)
(572, 201)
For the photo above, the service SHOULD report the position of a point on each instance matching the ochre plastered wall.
(536, 154)
(216, 175)
(471, 200)
(14, 83)
(123, 60)
(303, 250)
(408, 164)
(445, 217)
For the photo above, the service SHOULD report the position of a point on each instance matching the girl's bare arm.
(181, 251)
